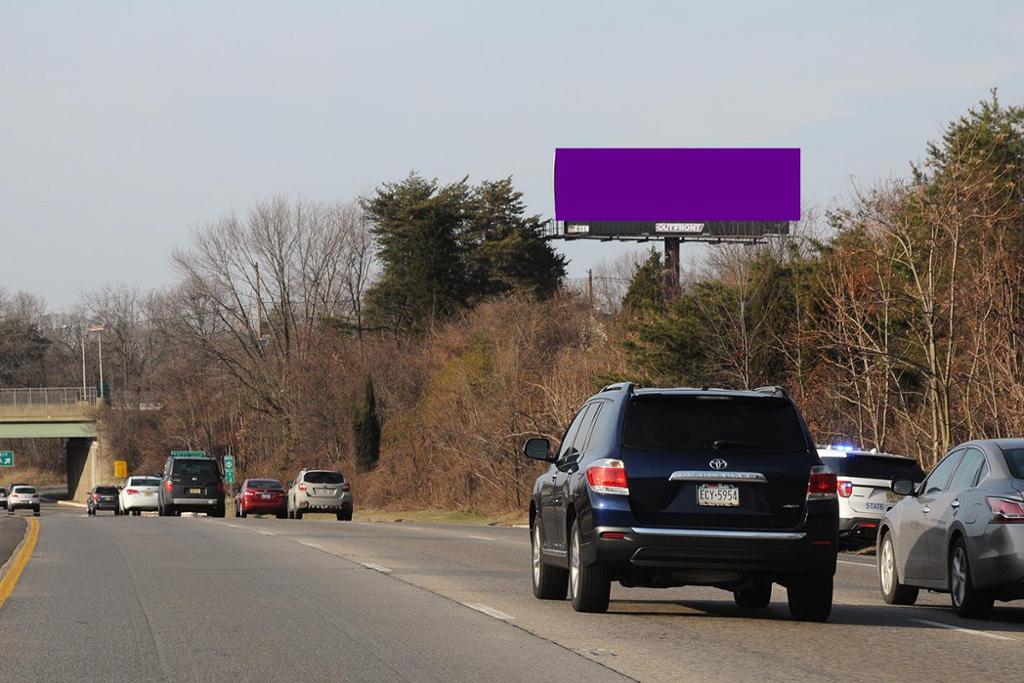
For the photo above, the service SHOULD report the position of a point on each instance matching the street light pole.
(84, 390)
(98, 329)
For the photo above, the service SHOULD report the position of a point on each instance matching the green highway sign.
(6, 458)
(188, 454)
(229, 469)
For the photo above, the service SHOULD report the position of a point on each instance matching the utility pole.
(98, 329)
(259, 305)
(84, 390)
(590, 287)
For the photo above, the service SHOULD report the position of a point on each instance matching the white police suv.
(862, 482)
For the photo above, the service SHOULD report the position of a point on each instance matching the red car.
(261, 497)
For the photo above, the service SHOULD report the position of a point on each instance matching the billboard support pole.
(671, 268)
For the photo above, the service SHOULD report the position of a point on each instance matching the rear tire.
(810, 598)
(282, 515)
(549, 583)
(219, 511)
(893, 592)
(345, 515)
(968, 601)
(290, 514)
(298, 514)
(589, 586)
(758, 596)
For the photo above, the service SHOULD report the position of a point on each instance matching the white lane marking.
(489, 611)
(962, 629)
(376, 567)
(481, 538)
(856, 564)
(312, 545)
(266, 533)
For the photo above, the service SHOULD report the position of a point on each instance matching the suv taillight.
(169, 485)
(822, 484)
(844, 488)
(346, 486)
(95, 497)
(608, 475)
(1006, 510)
(302, 487)
(220, 487)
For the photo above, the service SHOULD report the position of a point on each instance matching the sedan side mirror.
(903, 487)
(538, 449)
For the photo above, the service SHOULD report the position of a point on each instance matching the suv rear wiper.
(725, 443)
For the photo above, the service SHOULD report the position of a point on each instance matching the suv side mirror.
(538, 449)
(903, 487)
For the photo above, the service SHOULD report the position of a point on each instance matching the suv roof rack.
(620, 386)
(774, 390)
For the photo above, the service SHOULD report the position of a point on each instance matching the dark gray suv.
(191, 484)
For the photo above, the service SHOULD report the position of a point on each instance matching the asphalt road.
(148, 598)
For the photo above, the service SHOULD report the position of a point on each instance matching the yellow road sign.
(120, 469)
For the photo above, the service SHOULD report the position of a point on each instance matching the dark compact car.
(102, 498)
(261, 497)
(191, 484)
(960, 531)
(673, 487)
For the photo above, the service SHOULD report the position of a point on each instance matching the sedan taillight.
(1006, 510)
(132, 492)
(821, 485)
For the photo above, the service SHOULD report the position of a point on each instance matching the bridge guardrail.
(43, 396)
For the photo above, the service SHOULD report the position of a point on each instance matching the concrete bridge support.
(87, 465)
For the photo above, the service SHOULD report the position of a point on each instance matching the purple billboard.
(677, 185)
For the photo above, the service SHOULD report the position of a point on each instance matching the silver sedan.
(959, 531)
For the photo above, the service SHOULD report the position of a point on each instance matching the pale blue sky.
(125, 125)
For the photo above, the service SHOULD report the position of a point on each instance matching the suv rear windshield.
(1015, 461)
(874, 467)
(106, 490)
(23, 489)
(323, 478)
(713, 424)
(204, 468)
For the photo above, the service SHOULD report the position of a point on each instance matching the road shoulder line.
(11, 571)
(961, 629)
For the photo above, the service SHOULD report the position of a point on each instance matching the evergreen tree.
(366, 431)
(646, 289)
(419, 231)
(504, 246)
(444, 248)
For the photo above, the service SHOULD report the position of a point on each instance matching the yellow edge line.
(21, 558)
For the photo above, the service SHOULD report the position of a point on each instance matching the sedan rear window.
(28, 490)
(196, 467)
(106, 490)
(1015, 461)
(875, 467)
(266, 484)
(145, 481)
(323, 478)
(713, 424)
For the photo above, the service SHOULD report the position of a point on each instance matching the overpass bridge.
(68, 413)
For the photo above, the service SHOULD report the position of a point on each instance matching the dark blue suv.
(673, 487)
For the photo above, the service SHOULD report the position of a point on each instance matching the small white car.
(3, 498)
(862, 482)
(23, 498)
(138, 495)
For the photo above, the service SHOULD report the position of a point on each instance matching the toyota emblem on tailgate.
(718, 464)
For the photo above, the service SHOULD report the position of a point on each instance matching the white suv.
(320, 491)
(862, 482)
